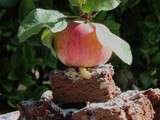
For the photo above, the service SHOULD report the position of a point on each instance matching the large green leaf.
(47, 39)
(120, 47)
(38, 19)
(89, 6)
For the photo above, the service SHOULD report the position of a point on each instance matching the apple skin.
(77, 45)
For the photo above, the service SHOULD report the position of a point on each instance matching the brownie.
(130, 105)
(154, 96)
(68, 86)
(40, 110)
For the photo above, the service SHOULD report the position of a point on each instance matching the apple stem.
(88, 16)
(84, 16)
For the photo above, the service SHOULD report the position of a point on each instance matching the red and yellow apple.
(77, 45)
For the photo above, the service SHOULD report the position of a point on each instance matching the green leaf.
(12, 76)
(2, 12)
(38, 19)
(124, 2)
(7, 86)
(89, 6)
(156, 8)
(49, 60)
(27, 80)
(100, 17)
(113, 26)
(77, 2)
(13, 100)
(120, 47)
(25, 7)
(36, 93)
(47, 40)
(147, 80)
(12, 103)
(47, 4)
(156, 58)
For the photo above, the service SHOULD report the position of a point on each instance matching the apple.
(77, 45)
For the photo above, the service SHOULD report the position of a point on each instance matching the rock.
(69, 86)
(130, 105)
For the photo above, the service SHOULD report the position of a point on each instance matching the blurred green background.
(24, 67)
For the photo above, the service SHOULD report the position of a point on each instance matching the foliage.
(89, 6)
(24, 66)
(55, 22)
(37, 19)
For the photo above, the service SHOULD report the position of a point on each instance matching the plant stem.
(70, 17)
